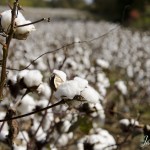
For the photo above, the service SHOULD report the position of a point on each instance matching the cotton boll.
(47, 121)
(134, 122)
(24, 29)
(68, 89)
(22, 74)
(102, 63)
(27, 105)
(91, 95)
(20, 33)
(64, 138)
(33, 78)
(61, 74)
(82, 83)
(19, 147)
(100, 113)
(42, 103)
(57, 78)
(103, 80)
(30, 78)
(101, 89)
(128, 125)
(97, 141)
(44, 90)
(124, 122)
(52, 147)
(41, 135)
(6, 19)
(66, 125)
(121, 87)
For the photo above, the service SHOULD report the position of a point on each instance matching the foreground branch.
(37, 111)
(6, 49)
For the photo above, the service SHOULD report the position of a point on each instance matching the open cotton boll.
(31, 78)
(91, 95)
(57, 78)
(24, 29)
(134, 122)
(98, 141)
(44, 90)
(27, 105)
(65, 138)
(20, 33)
(68, 89)
(82, 83)
(47, 121)
(121, 87)
(41, 135)
(21, 75)
(124, 122)
(60, 74)
(6, 19)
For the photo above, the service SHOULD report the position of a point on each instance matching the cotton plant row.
(133, 57)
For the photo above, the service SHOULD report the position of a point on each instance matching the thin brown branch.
(6, 49)
(34, 112)
(40, 20)
(2, 43)
(66, 56)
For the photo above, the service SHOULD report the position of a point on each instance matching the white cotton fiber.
(27, 105)
(121, 87)
(30, 78)
(67, 89)
(91, 95)
(44, 90)
(82, 83)
(20, 32)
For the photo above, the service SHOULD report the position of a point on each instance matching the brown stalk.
(6, 49)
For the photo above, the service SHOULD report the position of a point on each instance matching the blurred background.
(135, 13)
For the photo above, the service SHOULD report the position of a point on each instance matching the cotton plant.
(131, 125)
(20, 33)
(99, 140)
(77, 89)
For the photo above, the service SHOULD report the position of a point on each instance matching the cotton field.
(97, 74)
